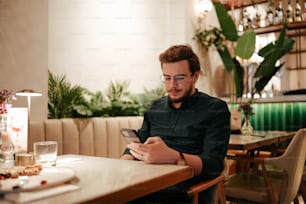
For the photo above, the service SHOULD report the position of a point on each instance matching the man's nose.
(173, 82)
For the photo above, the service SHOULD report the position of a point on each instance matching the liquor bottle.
(240, 23)
(298, 12)
(304, 12)
(276, 18)
(256, 20)
(280, 13)
(289, 18)
(270, 15)
(245, 20)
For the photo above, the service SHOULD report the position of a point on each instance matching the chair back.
(292, 161)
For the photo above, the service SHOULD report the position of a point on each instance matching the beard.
(186, 94)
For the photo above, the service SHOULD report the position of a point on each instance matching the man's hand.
(154, 151)
(127, 157)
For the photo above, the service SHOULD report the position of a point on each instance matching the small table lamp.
(29, 93)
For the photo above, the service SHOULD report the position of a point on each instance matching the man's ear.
(196, 77)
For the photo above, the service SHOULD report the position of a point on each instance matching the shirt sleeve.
(215, 141)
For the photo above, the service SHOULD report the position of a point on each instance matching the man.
(186, 127)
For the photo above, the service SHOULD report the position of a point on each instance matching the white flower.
(211, 37)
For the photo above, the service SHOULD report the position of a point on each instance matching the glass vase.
(6, 146)
(247, 128)
(3, 131)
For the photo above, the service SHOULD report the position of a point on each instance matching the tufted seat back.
(91, 136)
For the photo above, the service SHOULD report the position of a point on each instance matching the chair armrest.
(258, 160)
(205, 185)
(196, 189)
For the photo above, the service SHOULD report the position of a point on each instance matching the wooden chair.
(265, 187)
(220, 195)
(303, 185)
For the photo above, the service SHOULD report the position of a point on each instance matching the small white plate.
(49, 176)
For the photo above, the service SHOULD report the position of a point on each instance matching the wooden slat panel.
(37, 134)
(53, 132)
(100, 137)
(70, 137)
(87, 139)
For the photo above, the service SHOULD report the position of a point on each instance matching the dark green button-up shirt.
(201, 126)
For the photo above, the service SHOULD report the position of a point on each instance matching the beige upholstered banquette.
(93, 136)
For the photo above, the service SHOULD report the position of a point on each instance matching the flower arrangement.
(246, 108)
(6, 96)
(213, 36)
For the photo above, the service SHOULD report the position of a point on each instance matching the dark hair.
(181, 52)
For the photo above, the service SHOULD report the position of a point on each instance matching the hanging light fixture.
(203, 7)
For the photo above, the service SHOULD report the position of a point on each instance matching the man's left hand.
(154, 151)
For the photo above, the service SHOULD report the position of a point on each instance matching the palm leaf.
(118, 91)
(63, 97)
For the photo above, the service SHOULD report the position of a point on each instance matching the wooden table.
(258, 139)
(252, 145)
(105, 180)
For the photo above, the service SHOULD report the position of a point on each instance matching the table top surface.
(106, 180)
(258, 139)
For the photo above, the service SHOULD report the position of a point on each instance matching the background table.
(241, 146)
(258, 139)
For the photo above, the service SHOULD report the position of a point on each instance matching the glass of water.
(45, 153)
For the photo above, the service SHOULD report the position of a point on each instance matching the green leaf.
(271, 57)
(231, 64)
(82, 110)
(246, 44)
(273, 53)
(238, 77)
(266, 50)
(281, 37)
(285, 47)
(227, 24)
(263, 81)
(226, 59)
(63, 97)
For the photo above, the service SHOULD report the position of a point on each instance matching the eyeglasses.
(177, 78)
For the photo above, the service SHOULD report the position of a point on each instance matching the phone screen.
(130, 135)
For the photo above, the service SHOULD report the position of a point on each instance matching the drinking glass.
(45, 153)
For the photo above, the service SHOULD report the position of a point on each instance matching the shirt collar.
(187, 102)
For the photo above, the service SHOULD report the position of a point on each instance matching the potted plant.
(244, 48)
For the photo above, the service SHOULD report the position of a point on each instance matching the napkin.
(24, 197)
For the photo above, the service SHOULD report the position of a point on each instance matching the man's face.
(179, 82)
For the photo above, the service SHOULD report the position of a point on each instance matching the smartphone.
(130, 135)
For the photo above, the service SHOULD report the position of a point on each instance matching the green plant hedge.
(67, 101)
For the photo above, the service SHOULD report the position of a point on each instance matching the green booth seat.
(287, 116)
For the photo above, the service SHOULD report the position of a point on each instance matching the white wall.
(23, 52)
(95, 41)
